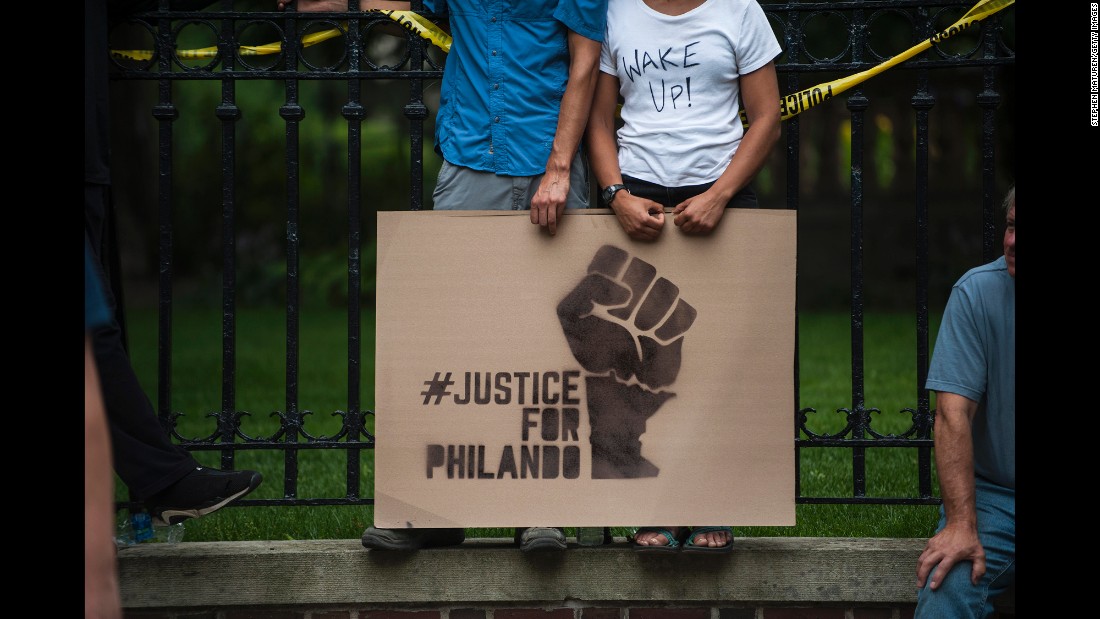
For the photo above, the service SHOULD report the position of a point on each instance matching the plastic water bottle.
(142, 525)
(590, 536)
(139, 529)
(170, 534)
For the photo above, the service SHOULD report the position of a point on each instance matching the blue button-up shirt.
(504, 79)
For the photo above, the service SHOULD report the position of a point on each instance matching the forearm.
(760, 93)
(955, 458)
(604, 159)
(749, 159)
(576, 103)
(603, 148)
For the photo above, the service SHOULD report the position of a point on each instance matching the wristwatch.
(608, 193)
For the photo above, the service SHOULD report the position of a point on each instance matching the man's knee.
(955, 597)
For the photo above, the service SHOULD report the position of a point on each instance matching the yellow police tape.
(408, 20)
(796, 103)
(789, 105)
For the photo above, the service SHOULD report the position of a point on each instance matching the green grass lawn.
(322, 382)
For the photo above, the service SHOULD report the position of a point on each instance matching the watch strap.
(608, 194)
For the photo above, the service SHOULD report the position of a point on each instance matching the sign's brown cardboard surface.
(583, 379)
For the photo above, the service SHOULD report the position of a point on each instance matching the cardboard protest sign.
(583, 379)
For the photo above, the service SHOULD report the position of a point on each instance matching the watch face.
(609, 193)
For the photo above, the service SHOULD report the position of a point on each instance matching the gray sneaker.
(540, 538)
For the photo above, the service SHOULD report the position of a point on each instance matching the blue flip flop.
(689, 545)
(673, 544)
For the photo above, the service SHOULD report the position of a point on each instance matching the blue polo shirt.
(975, 357)
(504, 79)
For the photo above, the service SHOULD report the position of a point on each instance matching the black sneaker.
(411, 539)
(200, 492)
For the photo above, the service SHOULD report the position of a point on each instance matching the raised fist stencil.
(625, 326)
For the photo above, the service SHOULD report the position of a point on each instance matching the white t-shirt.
(678, 76)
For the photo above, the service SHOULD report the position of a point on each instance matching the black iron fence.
(935, 129)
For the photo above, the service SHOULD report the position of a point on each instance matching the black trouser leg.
(144, 457)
